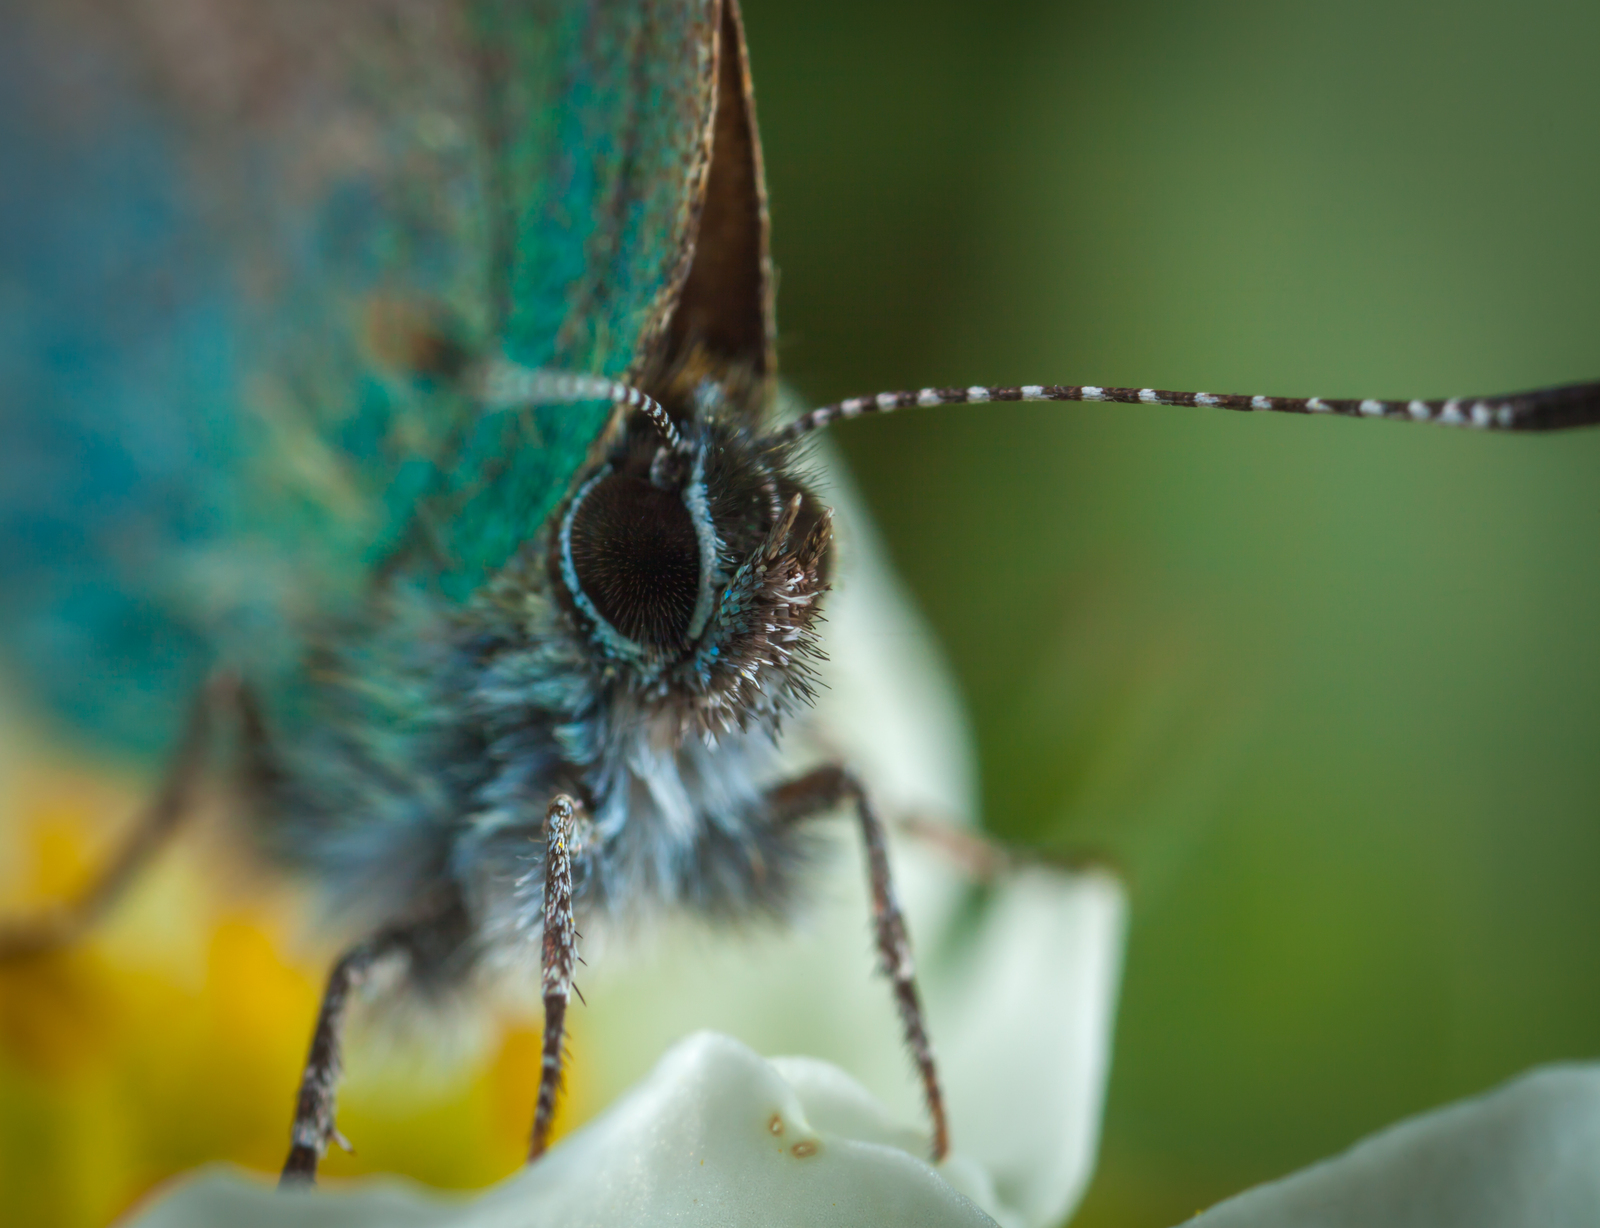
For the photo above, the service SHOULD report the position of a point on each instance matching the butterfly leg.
(565, 834)
(64, 924)
(984, 859)
(313, 1126)
(819, 791)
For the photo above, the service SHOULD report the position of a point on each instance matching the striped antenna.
(1547, 409)
(505, 385)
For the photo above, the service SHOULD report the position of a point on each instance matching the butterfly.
(390, 397)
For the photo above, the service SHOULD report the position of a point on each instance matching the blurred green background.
(1329, 690)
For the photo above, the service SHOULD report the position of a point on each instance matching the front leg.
(314, 1106)
(821, 790)
(558, 955)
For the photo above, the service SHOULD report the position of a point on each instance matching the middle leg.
(821, 790)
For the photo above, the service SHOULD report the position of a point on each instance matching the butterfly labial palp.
(599, 714)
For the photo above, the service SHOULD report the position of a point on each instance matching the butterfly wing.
(245, 248)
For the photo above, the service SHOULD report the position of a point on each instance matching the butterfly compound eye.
(637, 559)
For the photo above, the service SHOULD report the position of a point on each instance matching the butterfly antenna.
(507, 386)
(1546, 409)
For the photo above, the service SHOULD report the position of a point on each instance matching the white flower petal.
(1020, 1015)
(1023, 1023)
(694, 1144)
(1525, 1154)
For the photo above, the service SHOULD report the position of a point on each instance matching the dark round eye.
(637, 559)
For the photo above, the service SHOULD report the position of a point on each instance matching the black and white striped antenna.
(1545, 409)
(505, 385)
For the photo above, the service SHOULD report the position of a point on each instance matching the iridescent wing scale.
(247, 249)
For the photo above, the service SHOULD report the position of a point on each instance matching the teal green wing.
(589, 127)
(245, 248)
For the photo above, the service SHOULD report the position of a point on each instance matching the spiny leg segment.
(314, 1108)
(982, 859)
(821, 790)
(564, 833)
(1544, 409)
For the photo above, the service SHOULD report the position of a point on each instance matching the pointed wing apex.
(726, 302)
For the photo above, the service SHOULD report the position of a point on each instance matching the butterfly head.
(692, 560)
